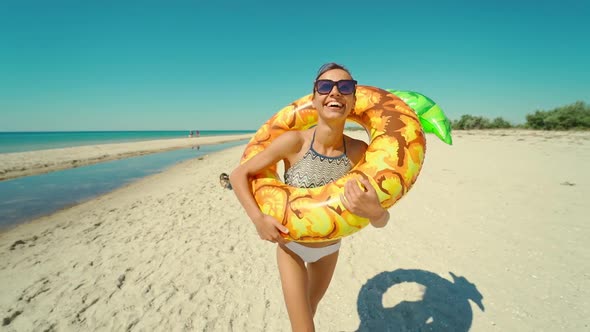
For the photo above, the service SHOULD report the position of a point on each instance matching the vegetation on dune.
(573, 116)
(479, 122)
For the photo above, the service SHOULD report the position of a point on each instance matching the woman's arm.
(268, 227)
(363, 202)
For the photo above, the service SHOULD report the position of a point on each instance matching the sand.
(18, 164)
(491, 238)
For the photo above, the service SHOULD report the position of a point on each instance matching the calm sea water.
(26, 198)
(31, 141)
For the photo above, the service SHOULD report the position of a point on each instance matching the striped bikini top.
(316, 170)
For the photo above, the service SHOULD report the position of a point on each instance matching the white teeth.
(334, 104)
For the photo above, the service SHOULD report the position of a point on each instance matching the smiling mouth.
(335, 105)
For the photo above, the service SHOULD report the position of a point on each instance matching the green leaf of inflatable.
(432, 118)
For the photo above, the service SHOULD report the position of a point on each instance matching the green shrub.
(573, 116)
(478, 122)
(499, 123)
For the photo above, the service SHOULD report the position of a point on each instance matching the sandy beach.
(491, 238)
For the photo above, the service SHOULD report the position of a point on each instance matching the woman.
(312, 157)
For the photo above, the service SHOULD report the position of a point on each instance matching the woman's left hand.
(363, 203)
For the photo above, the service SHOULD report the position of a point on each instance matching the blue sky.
(159, 65)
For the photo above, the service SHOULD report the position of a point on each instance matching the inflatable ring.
(391, 164)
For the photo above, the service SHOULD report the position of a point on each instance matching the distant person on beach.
(224, 181)
(198, 133)
(321, 154)
(190, 134)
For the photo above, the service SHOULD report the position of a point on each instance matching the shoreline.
(19, 164)
(31, 222)
(16, 215)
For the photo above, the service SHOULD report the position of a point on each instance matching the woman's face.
(334, 105)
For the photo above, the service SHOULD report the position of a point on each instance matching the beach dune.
(492, 237)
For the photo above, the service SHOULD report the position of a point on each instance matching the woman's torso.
(314, 170)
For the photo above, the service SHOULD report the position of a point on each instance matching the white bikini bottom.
(309, 254)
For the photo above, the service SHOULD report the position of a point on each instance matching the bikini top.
(316, 170)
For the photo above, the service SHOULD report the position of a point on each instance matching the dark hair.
(326, 67)
(329, 66)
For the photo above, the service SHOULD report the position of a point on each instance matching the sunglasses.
(346, 87)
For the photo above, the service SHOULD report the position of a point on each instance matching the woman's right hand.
(270, 229)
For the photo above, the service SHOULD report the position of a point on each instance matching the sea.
(30, 197)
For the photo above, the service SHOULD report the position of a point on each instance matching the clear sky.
(176, 65)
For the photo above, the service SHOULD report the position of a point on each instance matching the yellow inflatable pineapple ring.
(391, 164)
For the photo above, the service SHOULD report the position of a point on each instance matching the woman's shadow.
(444, 305)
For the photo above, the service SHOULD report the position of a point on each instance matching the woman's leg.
(295, 286)
(319, 275)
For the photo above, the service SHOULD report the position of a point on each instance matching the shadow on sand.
(444, 305)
